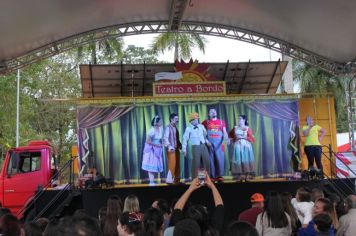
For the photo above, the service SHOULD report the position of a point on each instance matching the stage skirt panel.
(152, 158)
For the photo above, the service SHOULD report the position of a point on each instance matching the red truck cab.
(25, 170)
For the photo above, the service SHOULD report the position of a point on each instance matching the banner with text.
(204, 88)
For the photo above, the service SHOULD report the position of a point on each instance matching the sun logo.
(193, 71)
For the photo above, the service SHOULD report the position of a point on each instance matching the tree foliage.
(314, 80)
(181, 43)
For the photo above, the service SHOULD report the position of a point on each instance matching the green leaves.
(181, 43)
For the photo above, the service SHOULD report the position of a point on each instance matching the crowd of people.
(308, 213)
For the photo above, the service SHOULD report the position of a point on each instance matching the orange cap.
(257, 197)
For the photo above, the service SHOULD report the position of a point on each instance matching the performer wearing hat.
(197, 135)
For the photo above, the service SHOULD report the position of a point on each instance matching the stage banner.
(207, 88)
(112, 138)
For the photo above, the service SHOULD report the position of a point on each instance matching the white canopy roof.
(321, 32)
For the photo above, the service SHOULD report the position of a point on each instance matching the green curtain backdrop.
(117, 146)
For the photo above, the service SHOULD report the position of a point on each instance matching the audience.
(250, 215)
(322, 206)
(303, 206)
(162, 205)
(241, 228)
(131, 204)
(273, 220)
(347, 223)
(289, 209)
(198, 212)
(129, 223)
(322, 224)
(113, 213)
(278, 214)
(153, 222)
(187, 227)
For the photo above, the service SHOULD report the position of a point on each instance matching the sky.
(218, 49)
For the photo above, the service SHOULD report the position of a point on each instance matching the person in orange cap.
(250, 215)
(197, 135)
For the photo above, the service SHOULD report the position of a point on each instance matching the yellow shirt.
(313, 136)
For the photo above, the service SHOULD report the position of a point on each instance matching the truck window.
(24, 162)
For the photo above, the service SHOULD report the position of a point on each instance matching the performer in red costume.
(216, 129)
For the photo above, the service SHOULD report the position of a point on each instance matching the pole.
(18, 108)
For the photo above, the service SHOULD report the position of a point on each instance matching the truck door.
(22, 178)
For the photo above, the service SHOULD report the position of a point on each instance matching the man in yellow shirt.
(312, 148)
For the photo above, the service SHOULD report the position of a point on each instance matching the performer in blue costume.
(242, 161)
(153, 152)
(216, 129)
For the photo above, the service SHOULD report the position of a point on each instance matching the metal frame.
(136, 28)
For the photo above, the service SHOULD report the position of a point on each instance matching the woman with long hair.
(113, 213)
(273, 220)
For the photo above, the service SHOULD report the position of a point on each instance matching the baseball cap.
(257, 197)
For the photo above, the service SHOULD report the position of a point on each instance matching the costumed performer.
(197, 135)
(242, 161)
(152, 152)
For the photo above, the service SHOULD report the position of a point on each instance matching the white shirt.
(196, 135)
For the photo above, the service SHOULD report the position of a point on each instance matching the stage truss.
(137, 28)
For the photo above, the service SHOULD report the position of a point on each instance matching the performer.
(152, 152)
(242, 161)
(172, 144)
(216, 134)
(197, 135)
(312, 147)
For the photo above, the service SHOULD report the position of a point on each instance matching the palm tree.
(314, 80)
(109, 49)
(182, 43)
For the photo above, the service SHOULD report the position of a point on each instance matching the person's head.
(156, 121)
(10, 225)
(243, 120)
(303, 195)
(187, 227)
(310, 121)
(275, 210)
(68, 225)
(322, 222)
(241, 228)
(257, 200)
(129, 223)
(153, 222)
(173, 118)
(200, 214)
(350, 202)
(194, 118)
(212, 113)
(322, 205)
(316, 194)
(131, 204)
(162, 205)
(114, 207)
